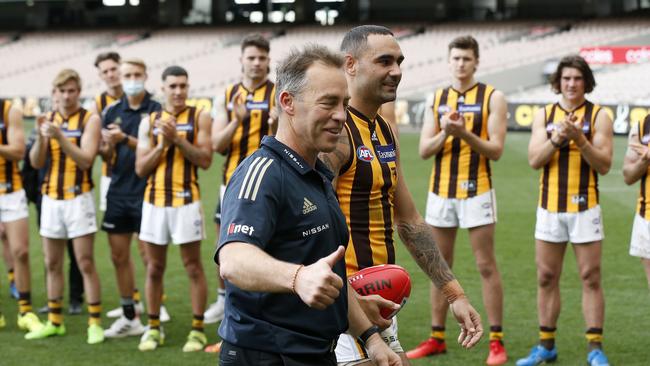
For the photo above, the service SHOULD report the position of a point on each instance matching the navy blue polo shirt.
(277, 202)
(124, 182)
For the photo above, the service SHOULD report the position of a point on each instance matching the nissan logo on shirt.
(364, 153)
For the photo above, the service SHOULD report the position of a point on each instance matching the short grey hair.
(292, 70)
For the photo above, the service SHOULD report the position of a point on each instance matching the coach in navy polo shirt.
(283, 234)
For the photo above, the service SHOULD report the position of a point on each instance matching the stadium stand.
(504, 45)
(614, 86)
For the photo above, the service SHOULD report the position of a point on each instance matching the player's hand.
(372, 305)
(454, 124)
(469, 321)
(40, 120)
(380, 353)
(49, 129)
(113, 134)
(317, 285)
(641, 150)
(572, 128)
(559, 136)
(239, 106)
(168, 130)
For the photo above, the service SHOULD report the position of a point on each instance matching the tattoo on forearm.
(335, 159)
(419, 241)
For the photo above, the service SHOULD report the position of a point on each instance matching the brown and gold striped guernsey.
(10, 180)
(248, 135)
(102, 101)
(64, 180)
(568, 183)
(643, 205)
(458, 171)
(174, 182)
(366, 190)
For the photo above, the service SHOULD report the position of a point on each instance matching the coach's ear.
(350, 65)
(287, 103)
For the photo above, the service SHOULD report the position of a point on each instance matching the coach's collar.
(294, 159)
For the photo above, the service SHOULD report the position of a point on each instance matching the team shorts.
(13, 206)
(461, 212)
(104, 183)
(640, 242)
(180, 225)
(217, 211)
(575, 227)
(232, 355)
(350, 352)
(68, 219)
(123, 215)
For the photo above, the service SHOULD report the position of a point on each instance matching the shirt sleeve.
(143, 134)
(252, 203)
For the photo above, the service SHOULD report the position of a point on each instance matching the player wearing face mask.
(120, 124)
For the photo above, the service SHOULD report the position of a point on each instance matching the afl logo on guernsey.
(364, 153)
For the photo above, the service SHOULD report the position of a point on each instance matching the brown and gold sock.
(55, 312)
(197, 322)
(95, 313)
(11, 276)
(496, 333)
(594, 338)
(24, 302)
(438, 333)
(154, 321)
(547, 337)
(136, 295)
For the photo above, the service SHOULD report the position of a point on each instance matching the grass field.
(626, 291)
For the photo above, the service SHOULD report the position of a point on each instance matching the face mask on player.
(132, 87)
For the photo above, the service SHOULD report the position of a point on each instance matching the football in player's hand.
(389, 281)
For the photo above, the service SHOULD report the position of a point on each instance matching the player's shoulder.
(264, 159)
(113, 108)
(262, 171)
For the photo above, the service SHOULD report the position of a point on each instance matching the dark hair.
(255, 40)
(576, 62)
(293, 68)
(464, 43)
(111, 55)
(355, 40)
(174, 71)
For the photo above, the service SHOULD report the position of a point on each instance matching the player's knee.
(53, 265)
(86, 264)
(487, 269)
(120, 258)
(546, 278)
(194, 270)
(21, 254)
(591, 278)
(155, 270)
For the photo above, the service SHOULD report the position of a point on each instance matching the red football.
(389, 281)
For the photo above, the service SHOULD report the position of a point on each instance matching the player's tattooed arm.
(338, 158)
(418, 239)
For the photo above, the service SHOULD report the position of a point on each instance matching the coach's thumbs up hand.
(317, 285)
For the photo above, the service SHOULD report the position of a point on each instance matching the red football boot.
(430, 347)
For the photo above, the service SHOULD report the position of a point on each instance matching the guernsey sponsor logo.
(386, 153)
